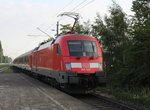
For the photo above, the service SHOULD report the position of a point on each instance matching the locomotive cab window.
(75, 48)
(82, 48)
(58, 50)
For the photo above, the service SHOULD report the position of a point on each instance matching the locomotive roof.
(77, 35)
(73, 35)
(46, 45)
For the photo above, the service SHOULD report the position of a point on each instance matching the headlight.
(68, 66)
(100, 66)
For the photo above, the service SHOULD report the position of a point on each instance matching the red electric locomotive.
(71, 62)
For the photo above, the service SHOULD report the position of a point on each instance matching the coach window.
(58, 50)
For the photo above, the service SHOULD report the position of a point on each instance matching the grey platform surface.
(21, 92)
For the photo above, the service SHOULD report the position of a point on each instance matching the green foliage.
(4, 65)
(126, 45)
(137, 96)
(65, 29)
(1, 53)
(99, 29)
(112, 33)
(4, 59)
(45, 41)
(84, 28)
(138, 54)
(8, 71)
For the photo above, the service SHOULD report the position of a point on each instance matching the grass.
(137, 96)
(6, 65)
(2, 65)
(8, 71)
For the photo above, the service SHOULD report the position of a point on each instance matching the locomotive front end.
(83, 62)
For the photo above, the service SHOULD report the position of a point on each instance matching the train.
(72, 62)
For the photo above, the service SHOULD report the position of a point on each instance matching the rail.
(104, 103)
(116, 103)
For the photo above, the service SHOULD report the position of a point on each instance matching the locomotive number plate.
(85, 65)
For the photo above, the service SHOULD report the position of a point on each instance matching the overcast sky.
(19, 18)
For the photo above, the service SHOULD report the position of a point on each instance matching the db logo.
(85, 65)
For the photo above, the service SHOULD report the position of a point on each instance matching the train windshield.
(82, 48)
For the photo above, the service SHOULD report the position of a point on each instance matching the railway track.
(104, 103)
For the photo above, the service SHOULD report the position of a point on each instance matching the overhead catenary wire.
(30, 35)
(63, 8)
(59, 13)
(52, 24)
(44, 32)
(76, 8)
(52, 16)
(70, 11)
(85, 5)
(78, 5)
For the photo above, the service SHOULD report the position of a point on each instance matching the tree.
(98, 28)
(139, 52)
(65, 29)
(112, 33)
(4, 59)
(84, 28)
(1, 53)
(45, 41)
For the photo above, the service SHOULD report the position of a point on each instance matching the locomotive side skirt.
(72, 77)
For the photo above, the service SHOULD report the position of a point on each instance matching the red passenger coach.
(24, 61)
(71, 62)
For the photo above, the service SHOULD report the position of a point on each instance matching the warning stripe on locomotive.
(85, 65)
